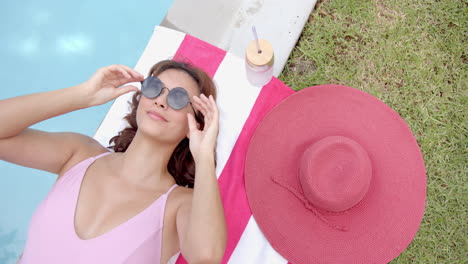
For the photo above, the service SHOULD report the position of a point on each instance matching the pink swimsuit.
(52, 237)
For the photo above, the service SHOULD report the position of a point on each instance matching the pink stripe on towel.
(231, 180)
(200, 54)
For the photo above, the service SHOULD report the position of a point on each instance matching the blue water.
(50, 44)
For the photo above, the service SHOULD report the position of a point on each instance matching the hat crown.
(335, 173)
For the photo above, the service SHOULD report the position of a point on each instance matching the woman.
(141, 203)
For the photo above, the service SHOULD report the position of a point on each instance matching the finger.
(206, 102)
(125, 74)
(202, 113)
(209, 114)
(200, 105)
(115, 69)
(126, 89)
(213, 115)
(206, 112)
(124, 77)
(126, 67)
(214, 106)
(211, 105)
(205, 99)
(129, 74)
(191, 122)
(133, 72)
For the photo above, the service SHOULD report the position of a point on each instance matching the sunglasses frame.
(153, 79)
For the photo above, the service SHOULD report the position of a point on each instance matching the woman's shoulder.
(87, 147)
(182, 192)
(182, 195)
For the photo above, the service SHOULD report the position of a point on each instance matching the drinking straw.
(256, 39)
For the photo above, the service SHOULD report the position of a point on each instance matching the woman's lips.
(156, 116)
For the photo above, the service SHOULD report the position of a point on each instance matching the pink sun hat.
(334, 175)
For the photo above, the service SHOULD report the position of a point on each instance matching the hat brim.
(383, 224)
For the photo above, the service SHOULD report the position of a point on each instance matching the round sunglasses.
(177, 99)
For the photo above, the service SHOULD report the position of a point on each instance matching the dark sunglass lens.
(178, 98)
(151, 87)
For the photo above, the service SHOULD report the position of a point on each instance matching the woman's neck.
(145, 162)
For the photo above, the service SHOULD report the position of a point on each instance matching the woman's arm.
(200, 221)
(18, 113)
(50, 151)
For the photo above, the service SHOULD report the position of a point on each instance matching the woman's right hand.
(104, 85)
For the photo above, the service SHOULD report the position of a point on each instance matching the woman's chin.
(160, 133)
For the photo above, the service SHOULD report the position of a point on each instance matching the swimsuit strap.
(172, 188)
(101, 155)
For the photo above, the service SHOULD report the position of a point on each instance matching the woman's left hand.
(203, 142)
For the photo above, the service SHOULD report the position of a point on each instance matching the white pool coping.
(228, 24)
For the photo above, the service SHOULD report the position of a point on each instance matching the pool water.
(48, 45)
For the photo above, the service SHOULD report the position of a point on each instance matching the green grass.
(413, 56)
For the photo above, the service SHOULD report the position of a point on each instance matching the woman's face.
(156, 118)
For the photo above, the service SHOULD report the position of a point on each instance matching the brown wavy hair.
(181, 164)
